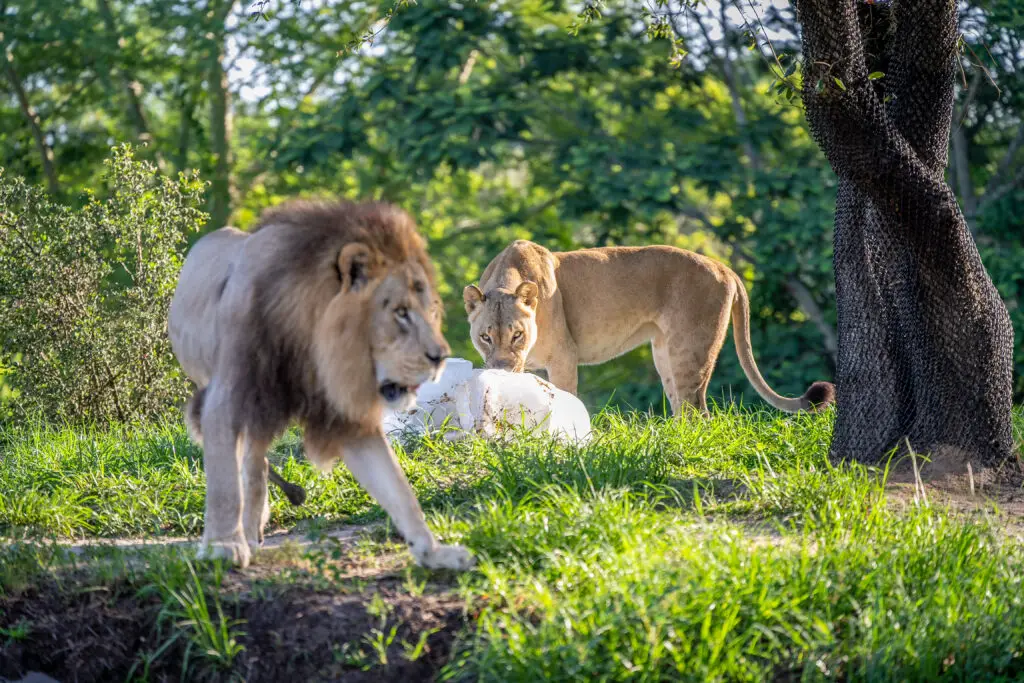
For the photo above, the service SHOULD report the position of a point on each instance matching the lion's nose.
(436, 357)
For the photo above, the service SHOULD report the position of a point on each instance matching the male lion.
(320, 315)
(554, 311)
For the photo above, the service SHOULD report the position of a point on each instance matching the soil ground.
(365, 625)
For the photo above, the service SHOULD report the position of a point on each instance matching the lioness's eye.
(517, 336)
(485, 338)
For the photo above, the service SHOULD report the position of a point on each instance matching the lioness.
(320, 315)
(535, 309)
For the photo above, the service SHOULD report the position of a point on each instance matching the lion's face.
(379, 338)
(405, 335)
(503, 324)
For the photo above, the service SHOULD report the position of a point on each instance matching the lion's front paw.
(235, 552)
(447, 557)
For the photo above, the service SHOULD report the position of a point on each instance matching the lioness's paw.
(448, 557)
(235, 552)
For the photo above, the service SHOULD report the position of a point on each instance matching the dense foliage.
(84, 294)
(490, 121)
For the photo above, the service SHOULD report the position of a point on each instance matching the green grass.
(719, 550)
(148, 480)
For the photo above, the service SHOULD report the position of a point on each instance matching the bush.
(84, 294)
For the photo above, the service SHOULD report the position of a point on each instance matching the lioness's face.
(503, 324)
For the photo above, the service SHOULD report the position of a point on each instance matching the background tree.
(925, 342)
(489, 121)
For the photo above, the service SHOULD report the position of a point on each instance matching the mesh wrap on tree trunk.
(925, 342)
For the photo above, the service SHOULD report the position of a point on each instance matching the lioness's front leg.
(223, 536)
(563, 374)
(373, 464)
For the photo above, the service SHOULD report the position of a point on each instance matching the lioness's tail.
(817, 396)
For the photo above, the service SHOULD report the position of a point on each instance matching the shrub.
(84, 294)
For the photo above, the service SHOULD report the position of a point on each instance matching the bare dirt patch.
(364, 624)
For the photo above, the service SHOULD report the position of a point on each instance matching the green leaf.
(839, 82)
(875, 75)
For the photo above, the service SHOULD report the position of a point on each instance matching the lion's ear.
(528, 292)
(356, 266)
(472, 297)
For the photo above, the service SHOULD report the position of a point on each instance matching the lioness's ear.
(355, 266)
(528, 292)
(472, 297)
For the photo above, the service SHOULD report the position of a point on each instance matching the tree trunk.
(925, 343)
(220, 124)
(805, 302)
(184, 129)
(32, 119)
(136, 114)
(962, 171)
(960, 146)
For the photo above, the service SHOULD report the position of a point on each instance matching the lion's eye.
(402, 313)
(485, 338)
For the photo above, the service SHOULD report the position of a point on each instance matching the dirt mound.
(381, 633)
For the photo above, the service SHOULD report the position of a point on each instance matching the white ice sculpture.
(484, 401)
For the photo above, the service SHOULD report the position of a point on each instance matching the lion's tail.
(817, 396)
(193, 410)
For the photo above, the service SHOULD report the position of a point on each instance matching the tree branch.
(467, 68)
(220, 118)
(131, 87)
(1000, 192)
(31, 118)
(806, 302)
(960, 143)
(476, 227)
(729, 76)
(998, 178)
(187, 107)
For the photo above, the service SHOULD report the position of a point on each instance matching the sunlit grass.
(149, 480)
(616, 586)
(726, 549)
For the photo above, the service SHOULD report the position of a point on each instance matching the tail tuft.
(819, 396)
